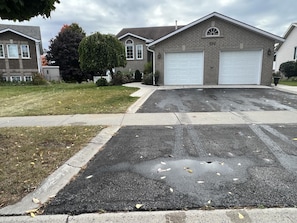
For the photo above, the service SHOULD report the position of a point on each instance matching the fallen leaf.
(162, 178)
(235, 179)
(163, 170)
(137, 136)
(240, 216)
(200, 182)
(32, 210)
(36, 201)
(190, 171)
(230, 193)
(32, 163)
(32, 214)
(171, 190)
(163, 163)
(209, 201)
(295, 139)
(218, 174)
(138, 206)
(90, 176)
(169, 127)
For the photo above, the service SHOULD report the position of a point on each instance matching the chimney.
(175, 24)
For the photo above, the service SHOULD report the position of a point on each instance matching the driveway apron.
(175, 167)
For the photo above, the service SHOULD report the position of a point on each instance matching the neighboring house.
(213, 50)
(287, 51)
(20, 50)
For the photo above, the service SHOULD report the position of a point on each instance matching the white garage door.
(240, 67)
(183, 68)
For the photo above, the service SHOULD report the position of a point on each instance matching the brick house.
(213, 50)
(20, 50)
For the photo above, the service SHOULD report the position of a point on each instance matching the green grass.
(289, 83)
(63, 99)
(29, 155)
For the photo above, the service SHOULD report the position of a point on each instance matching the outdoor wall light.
(159, 55)
(269, 52)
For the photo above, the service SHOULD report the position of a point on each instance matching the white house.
(287, 51)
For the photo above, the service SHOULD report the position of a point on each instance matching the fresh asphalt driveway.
(219, 100)
(192, 166)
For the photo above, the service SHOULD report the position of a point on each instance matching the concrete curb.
(62, 176)
(273, 215)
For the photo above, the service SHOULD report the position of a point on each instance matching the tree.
(63, 52)
(289, 69)
(99, 52)
(25, 9)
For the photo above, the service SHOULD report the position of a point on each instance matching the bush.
(289, 69)
(38, 79)
(148, 79)
(119, 78)
(137, 76)
(148, 68)
(101, 82)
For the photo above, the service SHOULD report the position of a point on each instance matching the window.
(15, 78)
(28, 78)
(295, 53)
(129, 50)
(139, 52)
(213, 31)
(25, 51)
(12, 50)
(1, 51)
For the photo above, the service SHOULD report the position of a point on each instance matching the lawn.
(290, 83)
(29, 155)
(63, 99)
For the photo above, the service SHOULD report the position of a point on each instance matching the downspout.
(38, 55)
(154, 64)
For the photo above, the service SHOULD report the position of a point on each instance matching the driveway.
(218, 100)
(187, 166)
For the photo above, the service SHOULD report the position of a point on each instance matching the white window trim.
(12, 77)
(29, 77)
(213, 27)
(23, 51)
(2, 46)
(141, 48)
(10, 57)
(126, 49)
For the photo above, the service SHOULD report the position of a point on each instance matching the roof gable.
(290, 29)
(29, 32)
(223, 17)
(148, 34)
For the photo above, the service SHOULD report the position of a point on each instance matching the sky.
(110, 16)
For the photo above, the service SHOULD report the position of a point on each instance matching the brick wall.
(232, 37)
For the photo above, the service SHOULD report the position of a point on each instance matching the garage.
(183, 68)
(240, 67)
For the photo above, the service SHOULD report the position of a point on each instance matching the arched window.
(129, 46)
(213, 31)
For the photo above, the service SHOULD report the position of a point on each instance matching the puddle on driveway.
(192, 176)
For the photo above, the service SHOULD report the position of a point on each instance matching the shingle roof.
(150, 33)
(31, 31)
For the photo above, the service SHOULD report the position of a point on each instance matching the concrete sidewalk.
(64, 174)
(196, 118)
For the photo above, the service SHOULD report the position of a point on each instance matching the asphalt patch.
(187, 167)
(218, 100)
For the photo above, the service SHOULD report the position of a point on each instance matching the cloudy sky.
(110, 16)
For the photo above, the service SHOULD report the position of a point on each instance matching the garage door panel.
(240, 67)
(183, 68)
